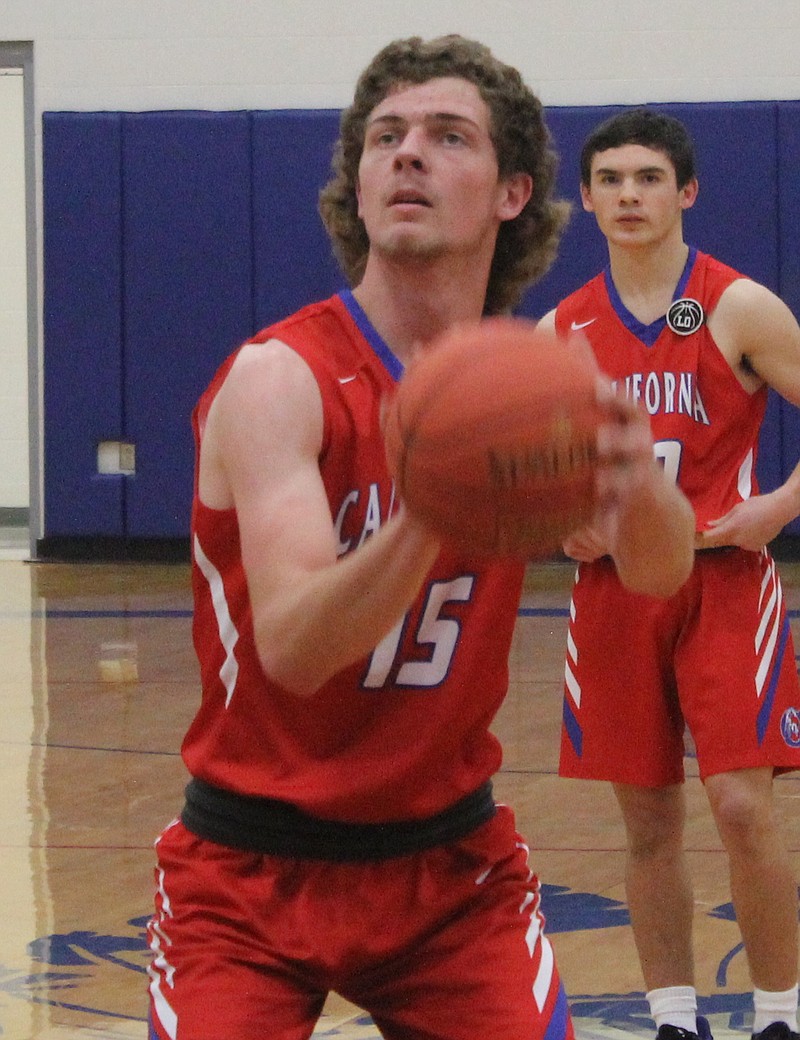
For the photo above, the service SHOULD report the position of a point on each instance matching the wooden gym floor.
(97, 684)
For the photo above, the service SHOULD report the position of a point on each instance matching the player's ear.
(518, 188)
(688, 193)
(586, 198)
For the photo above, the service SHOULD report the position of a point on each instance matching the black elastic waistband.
(280, 829)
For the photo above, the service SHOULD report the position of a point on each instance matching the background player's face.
(634, 195)
(428, 182)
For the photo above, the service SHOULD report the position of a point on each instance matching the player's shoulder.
(750, 312)
(293, 347)
(744, 295)
(269, 367)
(723, 290)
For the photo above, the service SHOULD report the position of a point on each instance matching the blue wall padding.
(735, 216)
(291, 162)
(788, 140)
(770, 449)
(82, 320)
(188, 291)
(582, 252)
(788, 149)
(171, 236)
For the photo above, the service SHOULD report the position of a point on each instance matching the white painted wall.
(14, 492)
(146, 54)
(260, 54)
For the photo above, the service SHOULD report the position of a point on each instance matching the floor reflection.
(97, 685)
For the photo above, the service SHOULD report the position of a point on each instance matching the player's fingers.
(624, 445)
(604, 391)
(580, 344)
(617, 405)
(625, 436)
(585, 544)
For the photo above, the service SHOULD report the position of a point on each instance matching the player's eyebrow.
(394, 119)
(605, 170)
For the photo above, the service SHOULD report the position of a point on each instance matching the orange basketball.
(491, 438)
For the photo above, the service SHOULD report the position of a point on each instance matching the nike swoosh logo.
(346, 379)
(581, 324)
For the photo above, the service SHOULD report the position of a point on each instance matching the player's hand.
(647, 520)
(750, 524)
(624, 447)
(586, 544)
(625, 464)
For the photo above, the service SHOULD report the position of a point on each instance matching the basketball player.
(699, 344)
(339, 832)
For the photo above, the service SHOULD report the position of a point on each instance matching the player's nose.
(629, 190)
(411, 150)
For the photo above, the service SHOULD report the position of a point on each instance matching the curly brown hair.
(527, 245)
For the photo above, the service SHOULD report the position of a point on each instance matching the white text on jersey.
(666, 393)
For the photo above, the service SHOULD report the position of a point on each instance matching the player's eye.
(381, 136)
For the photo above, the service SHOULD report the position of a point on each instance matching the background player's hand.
(750, 524)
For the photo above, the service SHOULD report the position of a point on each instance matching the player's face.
(428, 182)
(635, 197)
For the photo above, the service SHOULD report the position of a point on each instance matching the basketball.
(491, 438)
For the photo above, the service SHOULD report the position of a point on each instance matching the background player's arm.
(313, 614)
(760, 337)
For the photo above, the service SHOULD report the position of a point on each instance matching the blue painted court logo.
(73, 964)
(790, 727)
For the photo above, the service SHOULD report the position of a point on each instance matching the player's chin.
(410, 242)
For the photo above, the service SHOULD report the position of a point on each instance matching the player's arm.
(644, 520)
(313, 614)
(761, 339)
(645, 523)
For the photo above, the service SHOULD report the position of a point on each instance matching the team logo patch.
(685, 316)
(790, 727)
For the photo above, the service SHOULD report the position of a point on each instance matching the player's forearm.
(654, 540)
(338, 614)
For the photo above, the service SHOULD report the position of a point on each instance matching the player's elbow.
(681, 568)
(664, 565)
(662, 579)
(656, 551)
(289, 666)
(294, 678)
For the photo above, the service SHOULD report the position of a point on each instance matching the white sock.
(775, 1007)
(674, 1006)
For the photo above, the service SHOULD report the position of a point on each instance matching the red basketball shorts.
(447, 943)
(718, 658)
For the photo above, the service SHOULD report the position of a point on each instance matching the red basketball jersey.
(705, 425)
(403, 734)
